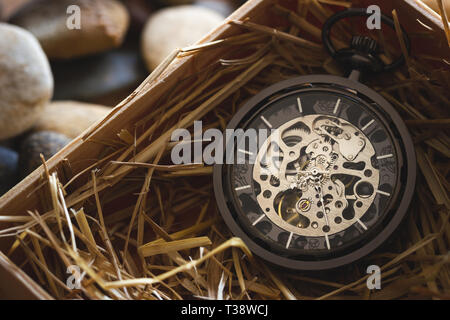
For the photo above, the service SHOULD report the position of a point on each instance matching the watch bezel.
(409, 160)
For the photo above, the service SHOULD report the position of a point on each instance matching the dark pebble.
(46, 142)
(105, 79)
(8, 169)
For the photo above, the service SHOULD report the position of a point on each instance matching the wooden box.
(76, 157)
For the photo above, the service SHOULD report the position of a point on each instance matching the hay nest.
(140, 228)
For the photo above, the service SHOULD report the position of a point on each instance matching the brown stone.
(175, 27)
(70, 118)
(103, 26)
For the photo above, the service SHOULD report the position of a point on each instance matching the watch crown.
(364, 44)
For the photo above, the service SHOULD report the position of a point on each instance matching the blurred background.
(106, 75)
(62, 67)
(65, 63)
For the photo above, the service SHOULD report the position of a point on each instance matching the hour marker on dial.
(362, 224)
(289, 240)
(383, 193)
(299, 105)
(336, 107)
(385, 156)
(367, 125)
(242, 188)
(258, 220)
(246, 152)
(327, 241)
(266, 122)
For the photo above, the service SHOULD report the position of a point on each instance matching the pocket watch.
(333, 178)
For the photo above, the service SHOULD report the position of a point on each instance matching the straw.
(139, 227)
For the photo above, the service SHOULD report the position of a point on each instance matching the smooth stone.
(223, 7)
(175, 27)
(69, 118)
(103, 26)
(8, 169)
(26, 81)
(104, 79)
(46, 142)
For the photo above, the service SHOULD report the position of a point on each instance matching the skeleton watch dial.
(315, 177)
(329, 181)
